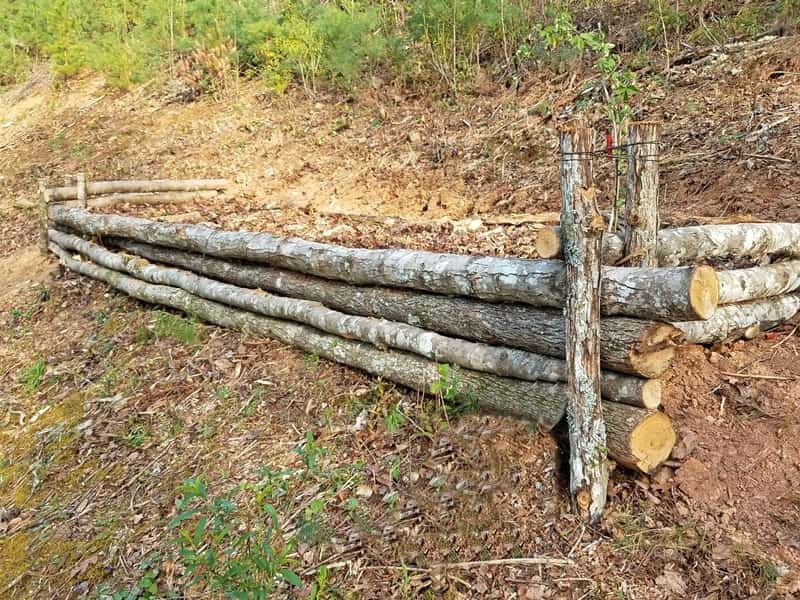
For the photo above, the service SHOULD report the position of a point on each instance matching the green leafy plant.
(310, 452)
(448, 383)
(136, 435)
(394, 418)
(230, 552)
(33, 376)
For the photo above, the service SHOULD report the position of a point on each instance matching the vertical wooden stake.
(44, 198)
(80, 179)
(641, 202)
(582, 228)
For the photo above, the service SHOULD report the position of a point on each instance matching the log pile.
(100, 194)
(497, 321)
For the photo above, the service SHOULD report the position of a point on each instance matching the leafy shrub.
(222, 547)
(459, 35)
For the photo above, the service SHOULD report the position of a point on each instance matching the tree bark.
(643, 348)
(80, 180)
(744, 285)
(665, 294)
(538, 402)
(97, 188)
(690, 245)
(641, 205)
(150, 198)
(42, 217)
(582, 230)
(741, 320)
(548, 245)
(507, 362)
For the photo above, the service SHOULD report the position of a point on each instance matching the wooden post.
(44, 198)
(641, 203)
(80, 180)
(582, 228)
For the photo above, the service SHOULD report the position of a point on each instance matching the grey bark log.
(507, 362)
(651, 293)
(96, 188)
(80, 180)
(631, 346)
(641, 204)
(685, 245)
(538, 402)
(582, 230)
(548, 245)
(690, 245)
(744, 285)
(151, 198)
(741, 320)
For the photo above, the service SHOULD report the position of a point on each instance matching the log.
(535, 401)
(635, 442)
(80, 180)
(741, 320)
(42, 217)
(641, 204)
(97, 188)
(744, 285)
(671, 294)
(507, 362)
(150, 198)
(548, 245)
(690, 245)
(632, 346)
(582, 230)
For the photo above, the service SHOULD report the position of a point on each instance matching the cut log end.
(655, 351)
(652, 364)
(548, 243)
(651, 394)
(652, 441)
(704, 292)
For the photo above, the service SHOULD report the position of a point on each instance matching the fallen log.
(741, 320)
(670, 294)
(541, 403)
(689, 245)
(507, 362)
(744, 285)
(97, 188)
(144, 198)
(632, 346)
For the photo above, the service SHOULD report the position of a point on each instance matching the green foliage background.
(313, 42)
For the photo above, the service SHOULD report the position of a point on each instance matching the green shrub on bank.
(333, 42)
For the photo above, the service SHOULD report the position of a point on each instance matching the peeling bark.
(507, 362)
(641, 206)
(538, 402)
(643, 348)
(582, 230)
(741, 320)
(696, 244)
(635, 292)
(97, 188)
(744, 285)
(134, 198)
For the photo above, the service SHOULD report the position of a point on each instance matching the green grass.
(169, 326)
(33, 376)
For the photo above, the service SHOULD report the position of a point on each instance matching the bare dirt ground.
(105, 406)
